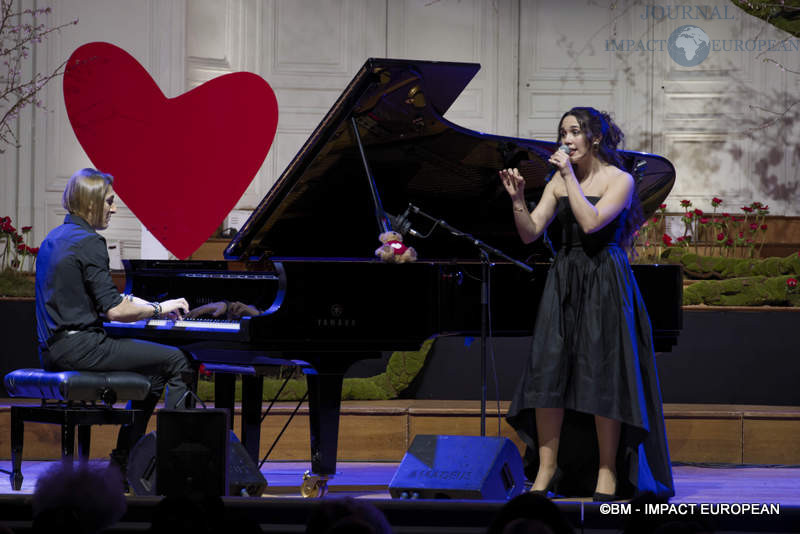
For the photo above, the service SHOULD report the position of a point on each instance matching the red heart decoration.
(180, 164)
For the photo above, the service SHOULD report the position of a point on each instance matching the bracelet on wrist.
(156, 310)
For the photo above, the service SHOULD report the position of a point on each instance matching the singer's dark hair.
(598, 126)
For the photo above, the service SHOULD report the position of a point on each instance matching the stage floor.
(694, 484)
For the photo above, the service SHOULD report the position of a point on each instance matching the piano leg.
(224, 393)
(252, 393)
(324, 406)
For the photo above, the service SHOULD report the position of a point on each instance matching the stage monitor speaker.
(243, 476)
(192, 452)
(459, 467)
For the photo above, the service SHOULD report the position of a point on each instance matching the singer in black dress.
(588, 405)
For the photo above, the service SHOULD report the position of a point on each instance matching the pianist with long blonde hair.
(75, 293)
(588, 405)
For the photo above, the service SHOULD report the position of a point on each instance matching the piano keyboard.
(190, 325)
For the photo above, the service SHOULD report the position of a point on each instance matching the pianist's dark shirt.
(73, 279)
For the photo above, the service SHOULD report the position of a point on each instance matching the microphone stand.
(486, 251)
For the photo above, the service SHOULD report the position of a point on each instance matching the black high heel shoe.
(604, 497)
(554, 480)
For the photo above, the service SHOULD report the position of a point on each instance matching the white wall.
(538, 59)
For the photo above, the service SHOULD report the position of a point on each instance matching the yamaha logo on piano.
(336, 320)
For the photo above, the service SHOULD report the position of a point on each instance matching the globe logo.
(688, 46)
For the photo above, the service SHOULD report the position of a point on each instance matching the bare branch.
(19, 32)
(780, 66)
(778, 116)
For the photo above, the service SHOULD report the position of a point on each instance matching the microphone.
(401, 224)
(552, 169)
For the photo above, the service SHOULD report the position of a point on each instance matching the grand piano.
(305, 258)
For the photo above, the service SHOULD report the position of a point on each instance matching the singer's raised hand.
(560, 158)
(513, 182)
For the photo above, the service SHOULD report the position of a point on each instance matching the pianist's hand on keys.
(230, 310)
(174, 309)
(214, 309)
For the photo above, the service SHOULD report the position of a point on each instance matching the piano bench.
(69, 399)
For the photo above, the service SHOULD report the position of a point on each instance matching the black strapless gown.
(592, 354)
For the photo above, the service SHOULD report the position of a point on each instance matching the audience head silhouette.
(347, 515)
(524, 511)
(81, 498)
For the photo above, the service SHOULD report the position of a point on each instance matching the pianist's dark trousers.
(93, 350)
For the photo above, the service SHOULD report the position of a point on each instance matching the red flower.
(655, 219)
(34, 250)
(21, 247)
(663, 206)
(741, 235)
(667, 240)
(754, 226)
(704, 220)
(686, 203)
(791, 282)
(26, 229)
(699, 213)
(729, 242)
(764, 227)
(716, 201)
(747, 209)
(720, 237)
(682, 238)
(726, 215)
(755, 205)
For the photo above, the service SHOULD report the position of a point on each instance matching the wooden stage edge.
(381, 431)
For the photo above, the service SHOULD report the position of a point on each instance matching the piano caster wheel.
(314, 486)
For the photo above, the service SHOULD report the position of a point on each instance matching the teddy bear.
(393, 250)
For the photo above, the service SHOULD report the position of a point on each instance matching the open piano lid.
(321, 206)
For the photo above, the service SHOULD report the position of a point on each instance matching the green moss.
(295, 389)
(746, 291)
(401, 369)
(373, 388)
(704, 267)
(15, 284)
